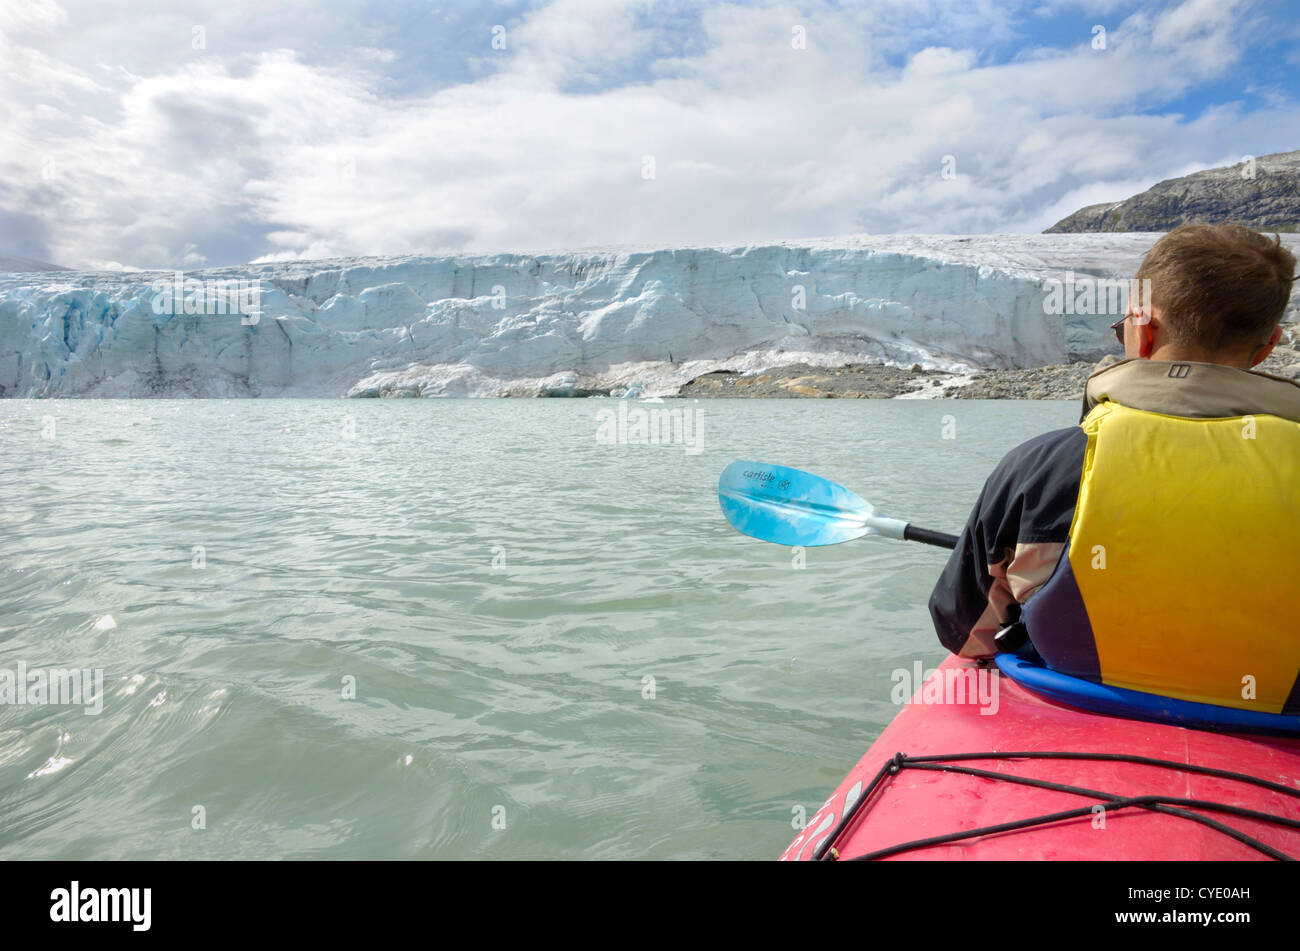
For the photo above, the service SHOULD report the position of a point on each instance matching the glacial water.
(451, 629)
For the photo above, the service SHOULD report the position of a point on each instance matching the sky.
(188, 135)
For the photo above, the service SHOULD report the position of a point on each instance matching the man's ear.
(1146, 334)
(1268, 347)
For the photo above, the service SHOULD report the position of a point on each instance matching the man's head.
(1217, 295)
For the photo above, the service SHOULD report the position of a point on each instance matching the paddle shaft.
(914, 533)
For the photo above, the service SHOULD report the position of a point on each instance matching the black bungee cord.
(1164, 804)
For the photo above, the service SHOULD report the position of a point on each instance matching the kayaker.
(1155, 546)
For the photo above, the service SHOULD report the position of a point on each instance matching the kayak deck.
(920, 803)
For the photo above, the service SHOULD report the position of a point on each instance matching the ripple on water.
(451, 629)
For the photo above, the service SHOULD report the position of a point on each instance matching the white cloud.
(172, 156)
(938, 61)
(35, 16)
(571, 41)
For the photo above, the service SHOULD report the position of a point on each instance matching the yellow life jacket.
(1182, 569)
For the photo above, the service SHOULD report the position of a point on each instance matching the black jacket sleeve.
(1011, 542)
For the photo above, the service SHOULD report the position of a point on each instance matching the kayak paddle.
(791, 507)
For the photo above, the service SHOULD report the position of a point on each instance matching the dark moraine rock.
(799, 380)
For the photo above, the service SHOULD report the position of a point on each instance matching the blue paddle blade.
(790, 507)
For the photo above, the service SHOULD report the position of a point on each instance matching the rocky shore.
(1059, 382)
(865, 381)
(799, 380)
(1066, 382)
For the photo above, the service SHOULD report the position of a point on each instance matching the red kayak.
(1087, 786)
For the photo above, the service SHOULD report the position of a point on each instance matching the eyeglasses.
(1118, 327)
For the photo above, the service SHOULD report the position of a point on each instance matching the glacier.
(563, 322)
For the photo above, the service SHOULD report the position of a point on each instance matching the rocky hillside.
(1268, 201)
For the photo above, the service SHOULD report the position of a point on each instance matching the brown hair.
(1219, 287)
